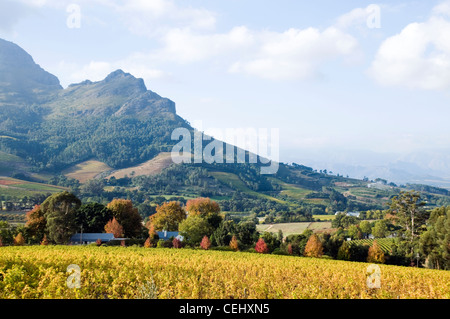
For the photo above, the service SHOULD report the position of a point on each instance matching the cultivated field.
(86, 170)
(151, 167)
(294, 228)
(135, 272)
(20, 188)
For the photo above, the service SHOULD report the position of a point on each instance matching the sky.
(348, 80)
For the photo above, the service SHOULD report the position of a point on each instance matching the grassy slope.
(19, 188)
(151, 167)
(236, 183)
(86, 170)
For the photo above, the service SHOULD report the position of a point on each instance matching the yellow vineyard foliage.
(134, 272)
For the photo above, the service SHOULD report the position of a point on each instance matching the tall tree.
(127, 216)
(205, 208)
(93, 217)
(194, 228)
(435, 242)
(59, 211)
(380, 229)
(407, 211)
(168, 216)
(36, 223)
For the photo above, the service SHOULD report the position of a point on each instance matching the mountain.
(118, 127)
(21, 79)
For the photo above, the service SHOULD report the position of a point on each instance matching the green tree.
(194, 228)
(246, 233)
(407, 211)
(365, 227)
(93, 187)
(271, 241)
(59, 211)
(93, 217)
(380, 229)
(435, 242)
(354, 232)
(224, 233)
(344, 252)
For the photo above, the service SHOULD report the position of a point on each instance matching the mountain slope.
(21, 79)
(117, 126)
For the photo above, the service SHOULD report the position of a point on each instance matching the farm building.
(166, 235)
(354, 214)
(88, 238)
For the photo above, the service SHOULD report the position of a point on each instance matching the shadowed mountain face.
(21, 79)
(116, 120)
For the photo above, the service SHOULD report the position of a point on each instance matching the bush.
(222, 248)
(164, 244)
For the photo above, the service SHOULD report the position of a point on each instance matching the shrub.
(261, 246)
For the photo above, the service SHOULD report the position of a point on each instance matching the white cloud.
(296, 54)
(292, 54)
(417, 57)
(365, 17)
(155, 17)
(185, 46)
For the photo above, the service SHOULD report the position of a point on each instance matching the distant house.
(166, 235)
(88, 238)
(354, 214)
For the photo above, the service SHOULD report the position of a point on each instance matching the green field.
(324, 217)
(294, 228)
(234, 181)
(19, 188)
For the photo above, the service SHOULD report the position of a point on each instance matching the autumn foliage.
(261, 246)
(19, 240)
(167, 217)
(314, 247)
(206, 243)
(113, 227)
(234, 243)
(176, 243)
(376, 254)
(202, 207)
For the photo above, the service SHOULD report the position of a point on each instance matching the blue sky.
(353, 76)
